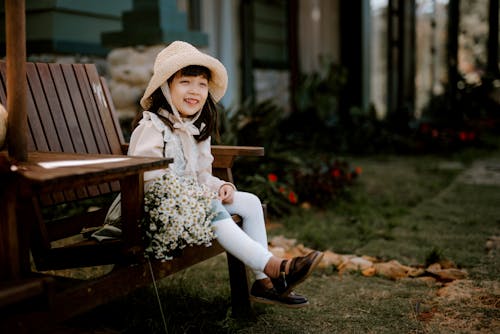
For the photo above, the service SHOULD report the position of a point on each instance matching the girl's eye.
(203, 84)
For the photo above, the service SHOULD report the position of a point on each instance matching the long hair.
(209, 112)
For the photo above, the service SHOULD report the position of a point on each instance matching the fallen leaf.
(434, 266)
(392, 269)
(277, 251)
(304, 250)
(369, 272)
(492, 243)
(371, 258)
(416, 272)
(447, 264)
(447, 275)
(282, 242)
(354, 264)
(330, 258)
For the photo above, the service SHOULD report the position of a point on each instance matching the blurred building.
(397, 53)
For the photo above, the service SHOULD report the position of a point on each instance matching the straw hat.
(177, 56)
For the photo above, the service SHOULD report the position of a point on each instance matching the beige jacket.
(152, 138)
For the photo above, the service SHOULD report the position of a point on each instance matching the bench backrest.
(69, 110)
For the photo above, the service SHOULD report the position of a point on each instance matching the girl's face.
(189, 93)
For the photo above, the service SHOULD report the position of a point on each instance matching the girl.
(180, 115)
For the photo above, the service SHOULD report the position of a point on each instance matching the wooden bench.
(71, 117)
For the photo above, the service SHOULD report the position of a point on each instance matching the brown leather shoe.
(261, 294)
(300, 268)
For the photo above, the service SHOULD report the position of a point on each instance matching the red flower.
(281, 189)
(425, 128)
(272, 177)
(462, 135)
(358, 170)
(292, 197)
(336, 173)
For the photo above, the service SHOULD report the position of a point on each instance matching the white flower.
(178, 214)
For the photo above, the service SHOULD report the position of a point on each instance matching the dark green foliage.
(324, 180)
(450, 123)
(434, 256)
(317, 110)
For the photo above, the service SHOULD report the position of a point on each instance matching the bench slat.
(110, 112)
(15, 292)
(93, 116)
(48, 104)
(66, 104)
(45, 118)
(105, 122)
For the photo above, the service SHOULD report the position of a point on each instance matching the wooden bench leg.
(132, 206)
(238, 280)
(9, 248)
(14, 246)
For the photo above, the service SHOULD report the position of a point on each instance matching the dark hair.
(209, 112)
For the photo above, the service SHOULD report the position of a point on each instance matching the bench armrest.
(224, 155)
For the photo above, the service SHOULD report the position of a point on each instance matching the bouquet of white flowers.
(178, 213)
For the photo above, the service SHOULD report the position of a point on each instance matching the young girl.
(180, 115)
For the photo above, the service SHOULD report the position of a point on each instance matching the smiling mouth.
(191, 101)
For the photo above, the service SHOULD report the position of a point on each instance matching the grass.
(389, 189)
(404, 208)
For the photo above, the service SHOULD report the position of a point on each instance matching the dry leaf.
(281, 241)
(371, 258)
(354, 264)
(277, 251)
(434, 266)
(447, 264)
(492, 243)
(392, 269)
(330, 258)
(369, 272)
(416, 272)
(304, 250)
(447, 275)
(458, 290)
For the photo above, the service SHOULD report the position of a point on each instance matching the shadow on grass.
(196, 300)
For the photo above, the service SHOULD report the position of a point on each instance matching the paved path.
(482, 172)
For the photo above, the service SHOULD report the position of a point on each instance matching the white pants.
(249, 244)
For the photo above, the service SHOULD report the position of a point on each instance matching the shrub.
(294, 179)
(324, 180)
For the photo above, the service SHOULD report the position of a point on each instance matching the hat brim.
(165, 67)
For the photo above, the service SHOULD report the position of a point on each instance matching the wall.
(68, 26)
(319, 33)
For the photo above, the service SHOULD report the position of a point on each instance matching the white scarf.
(185, 129)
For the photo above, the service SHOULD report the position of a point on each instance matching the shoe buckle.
(283, 276)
